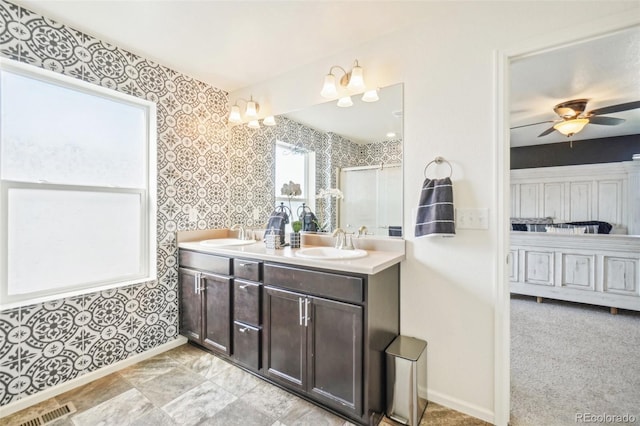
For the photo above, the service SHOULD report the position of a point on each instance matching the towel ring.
(438, 160)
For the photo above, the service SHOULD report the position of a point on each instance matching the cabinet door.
(217, 312)
(284, 337)
(335, 332)
(190, 304)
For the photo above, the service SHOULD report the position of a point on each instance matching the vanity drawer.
(246, 302)
(246, 345)
(335, 286)
(246, 269)
(206, 262)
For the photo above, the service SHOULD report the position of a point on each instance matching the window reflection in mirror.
(295, 166)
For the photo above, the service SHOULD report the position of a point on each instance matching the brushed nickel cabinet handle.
(300, 309)
(243, 330)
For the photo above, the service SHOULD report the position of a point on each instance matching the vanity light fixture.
(250, 113)
(571, 127)
(352, 80)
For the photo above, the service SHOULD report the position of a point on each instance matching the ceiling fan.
(573, 118)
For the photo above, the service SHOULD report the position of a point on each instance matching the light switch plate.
(472, 218)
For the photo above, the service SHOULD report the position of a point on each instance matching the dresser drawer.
(335, 286)
(205, 262)
(247, 269)
(246, 302)
(246, 345)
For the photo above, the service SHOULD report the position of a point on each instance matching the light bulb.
(269, 121)
(345, 102)
(234, 115)
(253, 124)
(329, 87)
(370, 96)
(356, 81)
(252, 110)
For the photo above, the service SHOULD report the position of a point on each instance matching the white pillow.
(570, 231)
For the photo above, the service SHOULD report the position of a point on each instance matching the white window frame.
(148, 197)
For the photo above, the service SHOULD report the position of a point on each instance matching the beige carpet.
(573, 364)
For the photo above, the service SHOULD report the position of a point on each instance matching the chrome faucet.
(362, 231)
(343, 239)
(241, 232)
(339, 235)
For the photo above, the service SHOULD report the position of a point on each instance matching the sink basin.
(217, 242)
(329, 253)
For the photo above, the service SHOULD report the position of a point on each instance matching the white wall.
(448, 68)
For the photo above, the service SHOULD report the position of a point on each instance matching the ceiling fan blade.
(546, 132)
(532, 124)
(606, 121)
(615, 108)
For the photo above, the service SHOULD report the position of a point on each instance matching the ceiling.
(605, 70)
(235, 44)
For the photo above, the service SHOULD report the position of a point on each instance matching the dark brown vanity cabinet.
(314, 345)
(325, 334)
(205, 300)
(318, 332)
(247, 319)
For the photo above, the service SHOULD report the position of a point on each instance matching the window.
(298, 166)
(77, 186)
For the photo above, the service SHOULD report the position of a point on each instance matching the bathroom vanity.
(318, 328)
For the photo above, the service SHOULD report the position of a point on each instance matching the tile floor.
(188, 386)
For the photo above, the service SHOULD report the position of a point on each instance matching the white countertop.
(374, 262)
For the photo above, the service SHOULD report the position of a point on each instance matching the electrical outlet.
(472, 218)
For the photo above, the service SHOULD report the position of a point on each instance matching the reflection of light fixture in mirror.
(571, 127)
(351, 80)
(250, 111)
(269, 121)
(253, 124)
(391, 135)
(370, 96)
(345, 102)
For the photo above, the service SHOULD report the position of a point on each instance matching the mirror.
(357, 150)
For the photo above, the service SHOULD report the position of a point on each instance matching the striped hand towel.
(435, 212)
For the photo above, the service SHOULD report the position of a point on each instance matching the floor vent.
(51, 415)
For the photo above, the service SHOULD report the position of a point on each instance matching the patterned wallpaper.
(201, 165)
(47, 344)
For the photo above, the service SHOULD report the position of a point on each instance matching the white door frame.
(502, 59)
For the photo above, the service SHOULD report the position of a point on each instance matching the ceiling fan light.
(269, 121)
(345, 102)
(253, 124)
(234, 115)
(370, 96)
(329, 87)
(571, 127)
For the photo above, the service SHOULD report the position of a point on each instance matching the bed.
(575, 234)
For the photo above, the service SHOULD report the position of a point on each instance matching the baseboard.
(456, 404)
(89, 377)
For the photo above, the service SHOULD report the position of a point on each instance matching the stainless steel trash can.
(406, 364)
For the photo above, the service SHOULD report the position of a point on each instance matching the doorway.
(547, 43)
